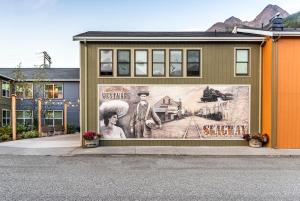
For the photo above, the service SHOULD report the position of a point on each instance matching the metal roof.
(49, 74)
(6, 77)
(164, 36)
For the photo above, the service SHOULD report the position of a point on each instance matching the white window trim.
(6, 82)
(62, 118)
(6, 118)
(23, 116)
(234, 60)
(24, 92)
(53, 84)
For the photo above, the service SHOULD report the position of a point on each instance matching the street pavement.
(149, 178)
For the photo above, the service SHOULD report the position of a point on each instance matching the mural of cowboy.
(144, 118)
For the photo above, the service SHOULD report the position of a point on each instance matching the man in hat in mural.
(144, 118)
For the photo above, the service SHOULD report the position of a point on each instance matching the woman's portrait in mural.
(109, 129)
(110, 112)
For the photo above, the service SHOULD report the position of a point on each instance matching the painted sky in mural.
(174, 111)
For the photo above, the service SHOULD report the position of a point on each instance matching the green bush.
(30, 134)
(71, 129)
(4, 137)
(23, 128)
(5, 133)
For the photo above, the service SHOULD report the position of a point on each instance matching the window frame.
(249, 62)
(129, 63)
(99, 62)
(200, 62)
(164, 62)
(147, 62)
(170, 62)
(24, 91)
(9, 90)
(53, 119)
(6, 110)
(53, 84)
(24, 119)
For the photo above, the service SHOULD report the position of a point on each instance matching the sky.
(29, 27)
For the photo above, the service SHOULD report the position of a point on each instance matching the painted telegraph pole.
(14, 116)
(65, 117)
(40, 116)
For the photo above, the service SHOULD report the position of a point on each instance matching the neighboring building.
(167, 63)
(280, 83)
(167, 109)
(54, 86)
(5, 101)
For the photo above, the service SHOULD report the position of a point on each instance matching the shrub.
(23, 128)
(6, 130)
(4, 137)
(71, 129)
(30, 134)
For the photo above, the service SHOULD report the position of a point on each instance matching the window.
(54, 117)
(24, 117)
(123, 66)
(242, 62)
(175, 62)
(5, 117)
(158, 62)
(193, 63)
(106, 62)
(141, 62)
(53, 91)
(24, 90)
(5, 89)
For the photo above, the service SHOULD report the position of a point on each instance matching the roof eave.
(171, 39)
(266, 33)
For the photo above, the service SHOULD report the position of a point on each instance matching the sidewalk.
(202, 151)
(69, 145)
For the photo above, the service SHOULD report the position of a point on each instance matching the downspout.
(260, 87)
(274, 90)
(85, 85)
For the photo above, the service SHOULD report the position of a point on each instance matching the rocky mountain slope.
(262, 18)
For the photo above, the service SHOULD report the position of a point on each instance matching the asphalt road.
(148, 178)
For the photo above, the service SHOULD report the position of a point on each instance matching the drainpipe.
(260, 87)
(85, 86)
(274, 90)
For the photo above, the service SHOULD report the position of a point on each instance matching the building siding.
(5, 103)
(217, 64)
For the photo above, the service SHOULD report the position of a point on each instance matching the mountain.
(262, 18)
(292, 21)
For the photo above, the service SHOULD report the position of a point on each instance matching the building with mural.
(154, 81)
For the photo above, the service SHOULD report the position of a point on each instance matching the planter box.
(91, 143)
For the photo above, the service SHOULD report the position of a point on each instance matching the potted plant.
(90, 139)
(256, 139)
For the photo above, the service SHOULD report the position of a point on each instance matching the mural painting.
(173, 111)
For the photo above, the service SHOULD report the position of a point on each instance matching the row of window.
(193, 62)
(25, 90)
(158, 62)
(52, 117)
